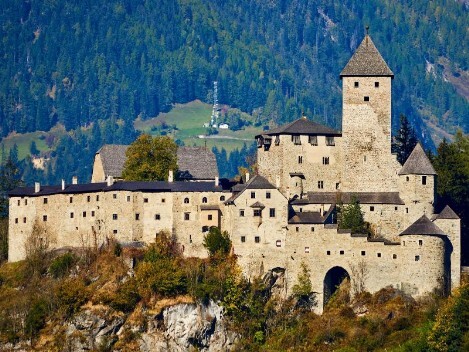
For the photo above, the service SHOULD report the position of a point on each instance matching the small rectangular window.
(407, 210)
(424, 180)
(187, 216)
(84, 214)
(25, 202)
(337, 185)
(366, 98)
(190, 238)
(16, 220)
(241, 212)
(297, 229)
(296, 139)
(44, 218)
(320, 184)
(137, 216)
(278, 243)
(243, 239)
(328, 252)
(157, 217)
(45, 200)
(306, 249)
(253, 195)
(114, 232)
(277, 140)
(19, 202)
(330, 141)
(145, 200)
(114, 216)
(92, 213)
(71, 215)
(420, 243)
(376, 84)
(313, 140)
(325, 160)
(395, 208)
(394, 256)
(210, 217)
(163, 200)
(272, 212)
(114, 196)
(417, 258)
(341, 252)
(257, 212)
(372, 208)
(257, 239)
(363, 253)
(356, 84)
(300, 159)
(97, 197)
(312, 229)
(378, 255)
(267, 195)
(88, 199)
(71, 199)
(128, 198)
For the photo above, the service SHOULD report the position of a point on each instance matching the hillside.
(75, 64)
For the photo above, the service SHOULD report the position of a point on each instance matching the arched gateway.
(332, 281)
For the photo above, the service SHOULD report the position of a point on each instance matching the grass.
(189, 119)
(23, 141)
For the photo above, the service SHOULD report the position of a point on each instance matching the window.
(417, 258)
(267, 195)
(424, 180)
(356, 84)
(363, 253)
(92, 213)
(337, 185)
(407, 179)
(330, 141)
(88, 199)
(44, 218)
(306, 249)
(243, 239)
(341, 252)
(114, 232)
(395, 208)
(312, 229)
(71, 215)
(300, 159)
(301, 210)
(372, 208)
(97, 198)
(222, 198)
(296, 139)
(163, 200)
(257, 239)
(84, 214)
(190, 237)
(297, 229)
(114, 196)
(241, 212)
(114, 216)
(210, 217)
(187, 216)
(137, 216)
(366, 98)
(394, 256)
(71, 199)
(313, 140)
(257, 212)
(25, 202)
(278, 243)
(45, 200)
(128, 198)
(325, 160)
(16, 220)
(420, 243)
(378, 255)
(19, 202)
(204, 200)
(186, 200)
(407, 210)
(253, 195)
(364, 159)
(272, 212)
(320, 184)
(328, 252)
(145, 200)
(157, 217)
(376, 84)
(277, 140)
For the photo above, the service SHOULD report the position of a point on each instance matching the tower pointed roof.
(417, 163)
(302, 126)
(447, 213)
(367, 61)
(423, 226)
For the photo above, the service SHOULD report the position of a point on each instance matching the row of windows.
(267, 195)
(204, 200)
(258, 212)
(424, 180)
(313, 140)
(325, 160)
(357, 84)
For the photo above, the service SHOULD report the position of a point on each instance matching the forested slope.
(76, 62)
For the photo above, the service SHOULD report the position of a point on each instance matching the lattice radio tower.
(215, 109)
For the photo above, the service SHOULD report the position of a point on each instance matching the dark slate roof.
(197, 163)
(347, 197)
(256, 182)
(303, 126)
(417, 163)
(447, 213)
(209, 207)
(423, 226)
(306, 217)
(366, 61)
(258, 205)
(113, 158)
(132, 186)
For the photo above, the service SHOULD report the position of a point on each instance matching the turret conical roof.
(423, 226)
(447, 213)
(417, 163)
(366, 61)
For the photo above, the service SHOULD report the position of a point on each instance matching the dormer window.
(313, 140)
(330, 141)
(296, 139)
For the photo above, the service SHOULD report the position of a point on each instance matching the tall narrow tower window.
(424, 180)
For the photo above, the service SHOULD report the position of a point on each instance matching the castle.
(286, 215)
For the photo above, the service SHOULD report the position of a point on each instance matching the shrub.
(61, 265)
(71, 295)
(36, 318)
(163, 277)
(217, 242)
(127, 297)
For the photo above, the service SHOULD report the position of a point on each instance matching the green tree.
(351, 218)
(217, 242)
(33, 148)
(302, 290)
(150, 159)
(405, 140)
(10, 178)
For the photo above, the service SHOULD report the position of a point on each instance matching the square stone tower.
(368, 165)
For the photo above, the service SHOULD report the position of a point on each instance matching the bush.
(163, 277)
(36, 318)
(127, 297)
(61, 265)
(71, 295)
(217, 242)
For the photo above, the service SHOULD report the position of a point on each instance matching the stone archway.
(332, 281)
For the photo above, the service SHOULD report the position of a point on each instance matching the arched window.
(186, 200)
(222, 198)
(204, 200)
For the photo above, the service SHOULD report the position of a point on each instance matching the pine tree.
(405, 140)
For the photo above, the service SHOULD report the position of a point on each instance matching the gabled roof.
(366, 61)
(256, 182)
(447, 213)
(258, 205)
(302, 126)
(197, 163)
(417, 163)
(113, 158)
(348, 197)
(423, 226)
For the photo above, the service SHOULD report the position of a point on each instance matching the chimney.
(247, 176)
(217, 181)
(277, 182)
(63, 184)
(74, 180)
(170, 176)
(110, 181)
(37, 187)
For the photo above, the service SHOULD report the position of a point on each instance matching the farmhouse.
(287, 214)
